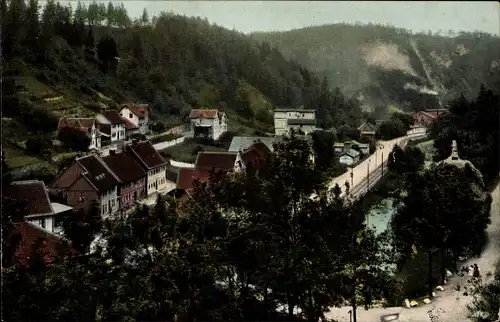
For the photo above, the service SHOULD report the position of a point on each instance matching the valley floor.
(449, 305)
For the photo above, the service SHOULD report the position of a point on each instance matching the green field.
(16, 157)
(188, 150)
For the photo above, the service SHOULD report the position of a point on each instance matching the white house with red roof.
(208, 124)
(136, 114)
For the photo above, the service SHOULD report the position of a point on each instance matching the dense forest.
(384, 65)
(64, 61)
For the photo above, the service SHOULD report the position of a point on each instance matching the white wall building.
(349, 157)
(116, 122)
(209, 124)
(136, 114)
(40, 211)
(153, 163)
(297, 119)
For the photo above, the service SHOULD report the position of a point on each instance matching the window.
(113, 203)
(42, 222)
(130, 115)
(81, 197)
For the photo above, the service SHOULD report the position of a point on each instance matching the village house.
(88, 126)
(427, 116)
(339, 147)
(137, 116)
(349, 157)
(40, 210)
(86, 181)
(219, 161)
(132, 176)
(153, 163)
(301, 120)
(116, 125)
(208, 124)
(367, 130)
(255, 155)
(364, 148)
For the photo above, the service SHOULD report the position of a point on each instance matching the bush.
(74, 139)
(392, 129)
(38, 146)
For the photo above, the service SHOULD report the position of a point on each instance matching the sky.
(251, 16)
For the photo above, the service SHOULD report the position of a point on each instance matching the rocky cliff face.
(389, 66)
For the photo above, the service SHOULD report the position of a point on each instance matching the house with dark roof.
(136, 115)
(40, 210)
(207, 123)
(116, 122)
(132, 176)
(89, 180)
(367, 130)
(349, 157)
(89, 126)
(154, 164)
(33, 239)
(300, 120)
(219, 161)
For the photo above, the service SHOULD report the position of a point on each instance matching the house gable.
(203, 113)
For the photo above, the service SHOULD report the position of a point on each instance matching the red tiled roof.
(187, 176)
(201, 113)
(97, 173)
(147, 154)
(140, 110)
(125, 167)
(34, 193)
(215, 160)
(53, 247)
(113, 117)
(84, 124)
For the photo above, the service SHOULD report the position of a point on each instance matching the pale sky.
(249, 16)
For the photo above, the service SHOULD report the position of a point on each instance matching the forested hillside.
(60, 61)
(385, 66)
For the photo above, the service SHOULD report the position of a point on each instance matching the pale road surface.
(450, 305)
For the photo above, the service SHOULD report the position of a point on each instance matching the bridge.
(368, 173)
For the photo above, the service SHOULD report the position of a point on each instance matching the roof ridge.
(108, 168)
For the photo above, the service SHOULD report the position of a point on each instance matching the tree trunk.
(429, 274)
(443, 267)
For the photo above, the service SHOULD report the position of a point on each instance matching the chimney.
(112, 152)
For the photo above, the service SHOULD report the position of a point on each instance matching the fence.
(167, 144)
(181, 164)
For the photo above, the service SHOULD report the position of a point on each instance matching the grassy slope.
(337, 51)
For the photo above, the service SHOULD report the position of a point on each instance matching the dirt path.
(450, 305)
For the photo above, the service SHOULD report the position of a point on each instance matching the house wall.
(281, 126)
(45, 222)
(220, 126)
(127, 114)
(157, 180)
(127, 192)
(143, 124)
(109, 202)
(118, 131)
(81, 195)
(69, 176)
(239, 165)
(166, 144)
